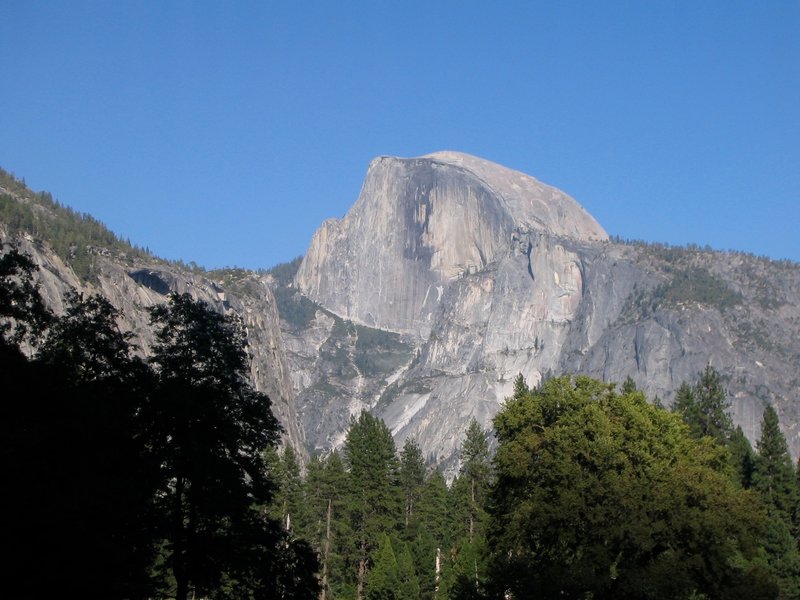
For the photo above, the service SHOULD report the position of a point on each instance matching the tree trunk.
(178, 550)
(324, 592)
(472, 512)
(438, 569)
(362, 571)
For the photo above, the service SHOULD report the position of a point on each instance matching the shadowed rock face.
(488, 273)
(133, 290)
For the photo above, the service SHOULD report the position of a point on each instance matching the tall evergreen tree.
(374, 499)
(465, 565)
(742, 457)
(433, 542)
(326, 492)
(408, 585)
(773, 476)
(774, 479)
(704, 407)
(412, 478)
(289, 501)
(384, 578)
(475, 471)
(433, 506)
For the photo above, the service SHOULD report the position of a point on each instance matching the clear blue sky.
(225, 133)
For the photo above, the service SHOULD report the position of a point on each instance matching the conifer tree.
(373, 491)
(742, 457)
(774, 479)
(408, 587)
(704, 407)
(629, 386)
(384, 578)
(475, 470)
(773, 476)
(412, 478)
(328, 524)
(433, 543)
(520, 387)
(289, 500)
(433, 506)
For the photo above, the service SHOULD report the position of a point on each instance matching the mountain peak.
(420, 223)
(531, 203)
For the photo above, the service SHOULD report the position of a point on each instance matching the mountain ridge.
(459, 323)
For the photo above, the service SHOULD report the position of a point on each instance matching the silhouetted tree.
(22, 310)
(209, 428)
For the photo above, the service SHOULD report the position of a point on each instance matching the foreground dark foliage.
(131, 480)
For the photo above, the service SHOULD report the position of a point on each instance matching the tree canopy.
(602, 494)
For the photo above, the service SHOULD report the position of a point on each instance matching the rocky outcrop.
(488, 273)
(134, 286)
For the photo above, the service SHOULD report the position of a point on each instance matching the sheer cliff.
(482, 272)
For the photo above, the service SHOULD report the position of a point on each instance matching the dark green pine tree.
(289, 501)
(797, 488)
(465, 568)
(469, 570)
(704, 407)
(412, 479)
(373, 492)
(384, 578)
(475, 471)
(742, 457)
(326, 493)
(433, 507)
(685, 404)
(520, 387)
(774, 479)
(629, 386)
(432, 544)
(773, 475)
(408, 582)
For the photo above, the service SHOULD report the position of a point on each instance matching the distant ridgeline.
(74, 236)
(692, 281)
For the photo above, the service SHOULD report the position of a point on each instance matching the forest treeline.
(163, 478)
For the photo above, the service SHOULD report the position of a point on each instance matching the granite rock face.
(420, 223)
(133, 288)
(485, 273)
